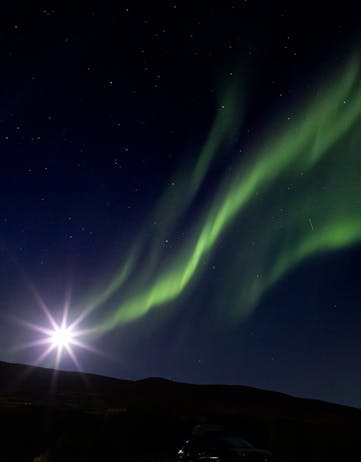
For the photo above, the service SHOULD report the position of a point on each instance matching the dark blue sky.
(99, 108)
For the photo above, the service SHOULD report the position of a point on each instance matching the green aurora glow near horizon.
(297, 194)
(188, 181)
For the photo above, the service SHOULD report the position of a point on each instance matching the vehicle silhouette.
(220, 446)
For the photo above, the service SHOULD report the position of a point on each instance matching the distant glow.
(295, 196)
(61, 337)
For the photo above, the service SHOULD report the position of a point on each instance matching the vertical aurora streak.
(317, 153)
(186, 184)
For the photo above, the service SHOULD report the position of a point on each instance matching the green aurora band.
(187, 182)
(296, 195)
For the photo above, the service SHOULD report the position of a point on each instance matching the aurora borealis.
(183, 186)
(311, 137)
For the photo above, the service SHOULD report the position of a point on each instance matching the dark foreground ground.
(92, 418)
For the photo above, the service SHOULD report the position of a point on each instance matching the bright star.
(61, 337)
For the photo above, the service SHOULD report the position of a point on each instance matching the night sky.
(183, 181)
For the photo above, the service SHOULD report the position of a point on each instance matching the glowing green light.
(318, 146)
(180, 194)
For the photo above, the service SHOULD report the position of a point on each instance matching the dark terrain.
(84, 417)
